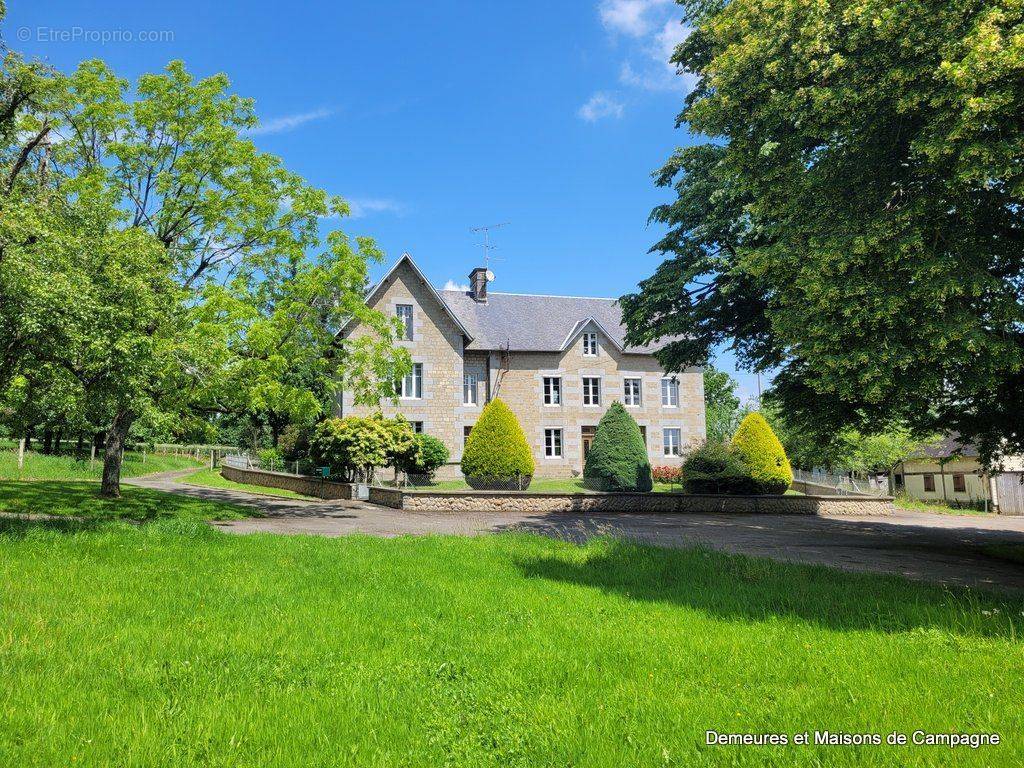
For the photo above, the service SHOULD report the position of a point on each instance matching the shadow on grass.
(81, 499)
(737, 587)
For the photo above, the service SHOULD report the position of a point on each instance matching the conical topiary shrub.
(763, 454)
(497, 456)
(618, 458)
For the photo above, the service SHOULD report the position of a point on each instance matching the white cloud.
(629, 17)
(451, 285)
(360, 207)
(287, 123)
(654, 30)
(601, 105)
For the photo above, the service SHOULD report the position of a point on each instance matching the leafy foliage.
(426, 456)
(667, 474)
(763, 454)
(617, 460)
(721, 406)
(354, 446)
(497, 449)
(293, 442)
(717, 468)
(854, 220)
(156, 267)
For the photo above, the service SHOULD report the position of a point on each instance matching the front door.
(587, 435)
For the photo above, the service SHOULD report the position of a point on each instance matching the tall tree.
(721, 405)
(855, 219)
(169, 164)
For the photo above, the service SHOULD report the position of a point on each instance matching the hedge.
(617, 460)
(760, 449)
(496, 450)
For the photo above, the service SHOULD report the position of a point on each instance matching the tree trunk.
(57, 437)
(114, 452)
(80, 445)
(47, 441)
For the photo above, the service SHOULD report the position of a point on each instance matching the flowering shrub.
(667, 474)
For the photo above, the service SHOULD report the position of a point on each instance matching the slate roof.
(535, 323)
(951, 445)
(523, 322)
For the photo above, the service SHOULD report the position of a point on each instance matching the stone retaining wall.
(599, 503)
(386, 497)
(308, 486)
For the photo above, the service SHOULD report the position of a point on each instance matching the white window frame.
(407, 322)
(590, 344)
(627, 399)
(551, 390)
(553, 443)
(470, 394)
(671, 438)
(595, 390)
(417, 427)
(669, 392)
(412, 384)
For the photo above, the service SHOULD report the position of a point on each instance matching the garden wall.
(500, 501)
(308, 486)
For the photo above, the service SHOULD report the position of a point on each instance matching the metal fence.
(843, 485)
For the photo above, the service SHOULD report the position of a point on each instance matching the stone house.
(557, 361)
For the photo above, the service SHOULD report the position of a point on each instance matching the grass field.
(212, 478)
(171, 643)
(902, 501)
(80, 499)
(39, 466)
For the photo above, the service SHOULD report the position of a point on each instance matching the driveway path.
(945, 548)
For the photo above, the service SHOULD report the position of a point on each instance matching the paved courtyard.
(945, 548)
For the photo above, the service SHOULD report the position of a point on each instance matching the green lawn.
(39, 466)
(212, 478)
(175, 644)
(80, 499)
(902, 501)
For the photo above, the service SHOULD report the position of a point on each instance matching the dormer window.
(590, 344)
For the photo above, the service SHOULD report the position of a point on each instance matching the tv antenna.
(487, 241)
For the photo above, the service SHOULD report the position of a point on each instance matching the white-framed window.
(670, 392)
(417, 427)
(553, 443)
(412, 385)
(469, 389)
(672, 441)
(631, 392)
(590, 344)
(591, 390)
(552, 390)
(404, 312)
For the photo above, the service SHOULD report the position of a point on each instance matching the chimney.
(478, 283)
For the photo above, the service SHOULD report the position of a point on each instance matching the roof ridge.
(538, 295)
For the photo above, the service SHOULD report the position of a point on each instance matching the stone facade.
(443, 410)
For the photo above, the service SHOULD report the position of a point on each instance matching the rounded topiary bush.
(425, 457)
(618, 457)
(761, 451)
(718, 469)
(497, 455)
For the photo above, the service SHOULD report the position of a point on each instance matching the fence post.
(92, 457)
(21, 454)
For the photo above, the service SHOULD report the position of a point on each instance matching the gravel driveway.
(933, 547)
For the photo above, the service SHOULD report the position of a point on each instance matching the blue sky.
(433, 118)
